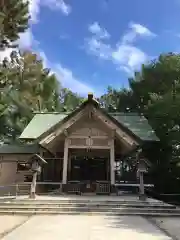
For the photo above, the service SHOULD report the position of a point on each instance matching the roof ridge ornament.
(90, 96)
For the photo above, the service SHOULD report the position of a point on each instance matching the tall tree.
(26, 87)
(69, 100)
(155, 92)
(14, 16)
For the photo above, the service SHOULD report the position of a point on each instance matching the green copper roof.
(40, 124)
(19, 149)
(136, 124)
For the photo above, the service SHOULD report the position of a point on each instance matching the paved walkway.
(9, 222)
(86, 227)
(170, 224)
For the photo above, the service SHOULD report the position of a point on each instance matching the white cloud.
(98, 31)
(58, 5)
(136, 30)
(66, 77)
(26, 39)
(5, 53)
(141, 30)
(68, 80)
(95, 44)
(34, 9)
(128, 57)
(35, 5)
(124, 55)
(98, 48)
(44, 58)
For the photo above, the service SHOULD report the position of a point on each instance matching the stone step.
(79, 201)
(89, 209)
(117, 213)
(95, 204)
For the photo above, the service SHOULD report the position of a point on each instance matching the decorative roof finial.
(90, 96)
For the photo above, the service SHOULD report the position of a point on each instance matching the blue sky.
(91, 44)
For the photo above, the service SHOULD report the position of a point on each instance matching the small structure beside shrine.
(87, 150)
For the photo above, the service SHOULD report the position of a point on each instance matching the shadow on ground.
(137, 224)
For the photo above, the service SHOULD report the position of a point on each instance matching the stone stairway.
(85, 206)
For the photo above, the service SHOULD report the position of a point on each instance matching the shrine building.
(87, 150)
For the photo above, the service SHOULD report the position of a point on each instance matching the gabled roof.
(41, 123)
(132, 123)
(136, 124)
(19, 149)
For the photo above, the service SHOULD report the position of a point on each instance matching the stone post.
(33, 186)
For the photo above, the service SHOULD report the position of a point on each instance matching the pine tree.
(26, 87)
(14, 16)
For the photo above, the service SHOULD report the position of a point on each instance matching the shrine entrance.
(89, 169)
(92, 165)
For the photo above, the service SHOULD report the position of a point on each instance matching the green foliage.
(155, 92)
(26, 87)
(69, 100)
(14, 18)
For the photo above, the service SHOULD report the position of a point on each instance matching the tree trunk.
(33, 186)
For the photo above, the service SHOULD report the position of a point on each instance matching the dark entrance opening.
(89, 169)
(89, 165)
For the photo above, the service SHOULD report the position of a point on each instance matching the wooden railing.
(103, 187)
(99, 187)
(24, 188)
(73, 187)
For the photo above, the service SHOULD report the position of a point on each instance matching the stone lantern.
(36, 162)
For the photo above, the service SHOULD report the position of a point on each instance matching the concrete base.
(32, 195)
(113, 189)
(142, 197)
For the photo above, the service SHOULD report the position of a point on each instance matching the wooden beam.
(86, 136)
(64, 126)
(88, 147)
(122, 134)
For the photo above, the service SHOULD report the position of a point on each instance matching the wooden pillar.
(65, 162)
(112, 155)
(69, 166)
